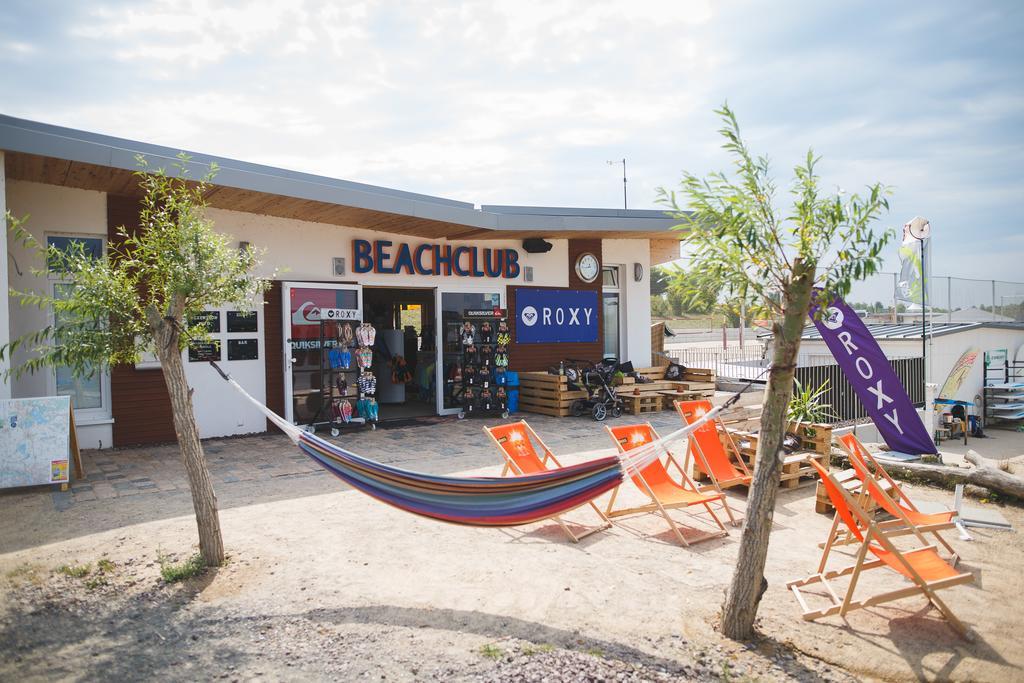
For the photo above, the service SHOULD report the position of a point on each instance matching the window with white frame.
(611, 312)
(90, 395)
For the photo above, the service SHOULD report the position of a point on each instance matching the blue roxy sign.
(545, 316)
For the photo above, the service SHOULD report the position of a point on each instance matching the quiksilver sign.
(545, 316)
(384, 256)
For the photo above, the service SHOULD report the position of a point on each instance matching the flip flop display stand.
(480, 378)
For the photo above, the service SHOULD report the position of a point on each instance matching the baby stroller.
(596, 380)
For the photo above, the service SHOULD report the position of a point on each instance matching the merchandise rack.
(478, 386)
(1003, 395)
(324, 416)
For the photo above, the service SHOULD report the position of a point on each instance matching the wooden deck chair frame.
(657, 506)
(871, 534)
(694, 450)
(902, 523)
(511, 466)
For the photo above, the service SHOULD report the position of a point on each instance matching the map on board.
(34, 436)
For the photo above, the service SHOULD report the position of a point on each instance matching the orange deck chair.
(706, 446)
(515, 441)
(908, 519)
(921, 566)
(664, 491)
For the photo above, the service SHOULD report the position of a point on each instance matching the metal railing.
(747, 362)
(845, 404)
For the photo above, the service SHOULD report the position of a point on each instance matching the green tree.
(689, 291)
(660, 307)
(739, 237)
(659, 280)
(141, 296)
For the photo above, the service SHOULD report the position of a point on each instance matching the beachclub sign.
(869, 372)
(384, 256)
(546, 316)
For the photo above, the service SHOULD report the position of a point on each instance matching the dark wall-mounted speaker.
(536, 245)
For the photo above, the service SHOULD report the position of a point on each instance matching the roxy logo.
(574, 316)
(833, 318)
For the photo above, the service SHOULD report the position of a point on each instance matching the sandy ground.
(324, 583)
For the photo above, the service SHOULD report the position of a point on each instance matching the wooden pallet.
(644, 403)
(547, 394)
(849, 481)
(796, 467)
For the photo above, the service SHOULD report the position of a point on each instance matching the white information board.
(34, 441)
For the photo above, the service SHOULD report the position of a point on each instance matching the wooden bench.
(695, 384)
(644, 403)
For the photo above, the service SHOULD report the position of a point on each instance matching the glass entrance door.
(451, 308)
(611, 312)
(304, 356)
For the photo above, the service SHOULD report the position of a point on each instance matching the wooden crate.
(815, 443)
(849, 481)
(546, 394)
(644, 403)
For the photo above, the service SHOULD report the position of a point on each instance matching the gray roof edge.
(578, 211)
(33, 137)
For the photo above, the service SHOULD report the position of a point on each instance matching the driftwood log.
(983, 474)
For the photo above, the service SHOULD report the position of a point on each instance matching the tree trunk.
(984, 474)
(204, 500)
(748, 582)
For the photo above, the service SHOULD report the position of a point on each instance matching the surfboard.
(958, 374)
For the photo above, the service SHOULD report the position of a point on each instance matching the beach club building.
(574, 283)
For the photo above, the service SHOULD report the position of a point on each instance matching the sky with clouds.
(524, 102)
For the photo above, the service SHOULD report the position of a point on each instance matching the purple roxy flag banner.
(868, 370)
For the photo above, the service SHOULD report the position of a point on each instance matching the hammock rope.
(476, 501)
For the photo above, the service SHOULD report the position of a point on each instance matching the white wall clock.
(588, 267)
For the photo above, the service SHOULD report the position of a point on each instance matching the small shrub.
(530, 649)
(491, 651)
(172, 572)
(105, 566)
(806, 406)
(75, 571)
(25, 573)
(94, 582)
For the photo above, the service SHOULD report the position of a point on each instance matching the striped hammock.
(474, 501)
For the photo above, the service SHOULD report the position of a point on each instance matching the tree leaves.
(175, 264)
(735, 232)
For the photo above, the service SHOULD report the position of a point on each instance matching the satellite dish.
(918, 228)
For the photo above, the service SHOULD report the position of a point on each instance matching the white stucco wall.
(300, 250)
(50, 210)
(635, 296)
